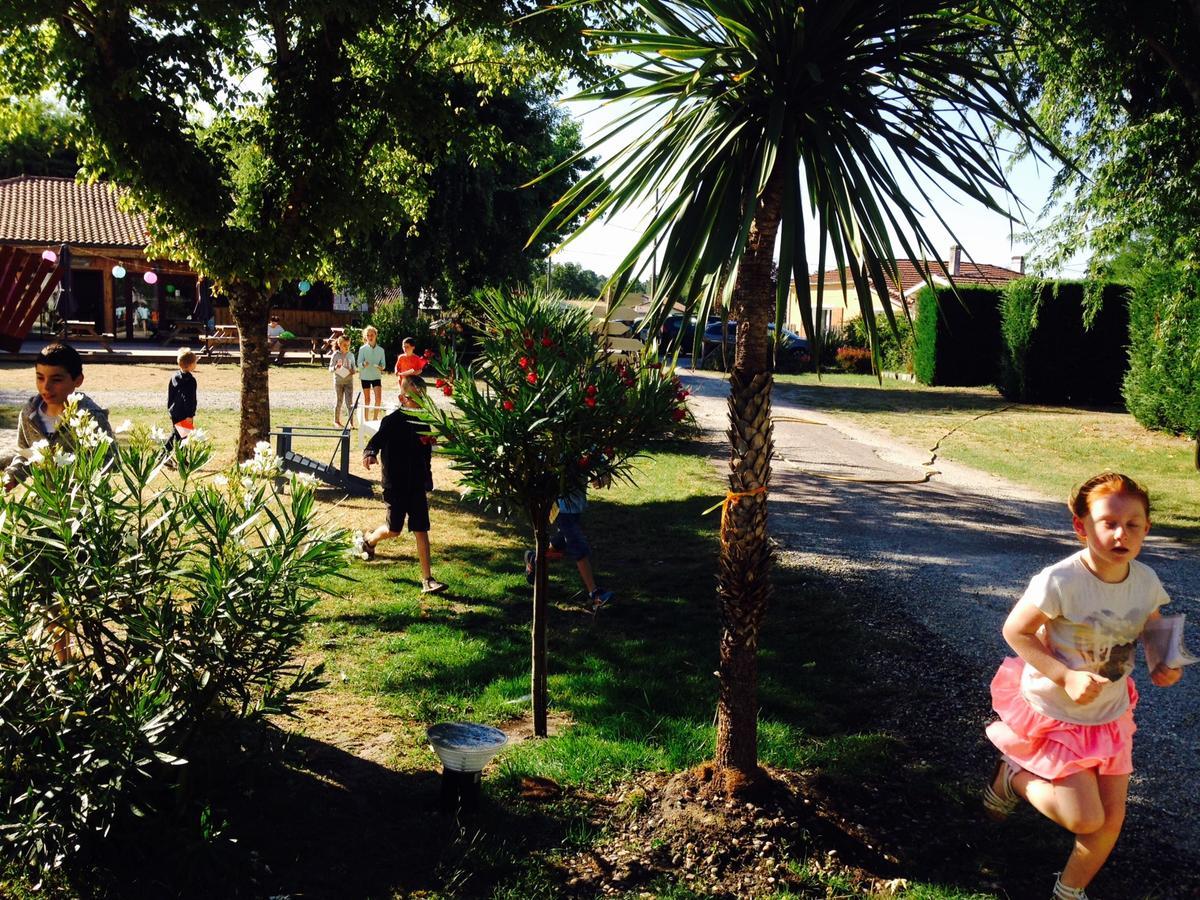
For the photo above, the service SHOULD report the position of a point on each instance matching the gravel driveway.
(955, 552)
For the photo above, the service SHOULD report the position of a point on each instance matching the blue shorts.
(569, 537)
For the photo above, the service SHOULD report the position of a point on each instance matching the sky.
(986, 237)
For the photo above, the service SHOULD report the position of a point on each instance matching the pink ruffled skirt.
(1052, 749)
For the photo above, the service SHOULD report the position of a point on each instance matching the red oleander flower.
(508, 405)
(589, 401)
(523, 362)
(447, 390)
(610, 452)
(531, 377)
(585, 461)
(590, 390)
(681, 395)
(679, 415)
(547, 342)
(428, 354)
(528, 343)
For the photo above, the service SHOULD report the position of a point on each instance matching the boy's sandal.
(999, 805)
(432, 586)
(600, 599)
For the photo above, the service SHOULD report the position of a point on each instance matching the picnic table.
(222, 336)
(85, 330)
(184, 331)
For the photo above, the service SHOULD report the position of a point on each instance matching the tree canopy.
(36, 139)
(257, 136)
(1117, 84)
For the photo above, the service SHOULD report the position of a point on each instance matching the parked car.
(793, 354)
(668, 335)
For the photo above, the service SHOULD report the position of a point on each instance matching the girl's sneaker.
(600, 599)
(432, 586)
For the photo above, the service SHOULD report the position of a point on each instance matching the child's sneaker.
(432, 586)
(362, 548)
(600, 599)
(529, 558)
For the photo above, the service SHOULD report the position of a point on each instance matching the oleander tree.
(739, 124)
(541, 413)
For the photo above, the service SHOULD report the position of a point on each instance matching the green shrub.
(957, 336)
(135, 611)
(1064, 342)
(895, 353)
(1162, 388)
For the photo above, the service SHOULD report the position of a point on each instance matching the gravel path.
(955, 552)
(156, 397)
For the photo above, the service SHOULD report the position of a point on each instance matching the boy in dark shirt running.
(181, 397)
(404, 448)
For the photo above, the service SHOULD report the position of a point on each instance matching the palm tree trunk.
(250, 309)
(743, 586)
(541, 587)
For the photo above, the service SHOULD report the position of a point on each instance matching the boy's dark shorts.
(371, 383)
(414, 507)
(569, 537)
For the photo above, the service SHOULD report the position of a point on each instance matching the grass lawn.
(1047, 448)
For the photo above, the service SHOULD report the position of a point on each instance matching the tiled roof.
(39, 210)
(910, 275)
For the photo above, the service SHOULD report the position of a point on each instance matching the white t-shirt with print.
(1094, 627)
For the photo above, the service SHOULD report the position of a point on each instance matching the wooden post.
(110, 314)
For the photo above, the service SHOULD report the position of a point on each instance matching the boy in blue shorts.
(405, 450)
(568, 539)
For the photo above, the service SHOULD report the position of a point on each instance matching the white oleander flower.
(220, 481)
(74, 398)
(247, 481)
(198, 436)
(305, 479)
(123, 427)
(62, 458)
(157, 434)
(37, 453)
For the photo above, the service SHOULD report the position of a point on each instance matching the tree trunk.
(541, 588)
(743, 586)
(250, 309)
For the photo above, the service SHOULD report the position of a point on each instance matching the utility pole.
(547, 273)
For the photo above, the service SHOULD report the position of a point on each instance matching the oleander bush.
(138, 609)
(855, 360)
(895, 350)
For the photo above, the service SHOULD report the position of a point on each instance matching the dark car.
(793, 354)
(669, 333)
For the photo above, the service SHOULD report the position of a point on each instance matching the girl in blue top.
(372, 362)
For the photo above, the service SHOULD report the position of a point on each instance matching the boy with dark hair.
(405, 449)
(181, 397)
(58, 372)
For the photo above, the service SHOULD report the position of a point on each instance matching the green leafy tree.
(473, 233)
(574, 280)
(135, 608)
(1117, 84)
(539, 415)
(36, 139)
(740, 118)
(258, 136)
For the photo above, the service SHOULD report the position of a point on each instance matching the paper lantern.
(150, 278)
(305, 286)
(118, 271)
(170, 288)
(49, 256)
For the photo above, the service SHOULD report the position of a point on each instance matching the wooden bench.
(74, 330)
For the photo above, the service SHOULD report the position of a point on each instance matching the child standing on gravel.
(342, 365)
(1066, 727)
(181, 399)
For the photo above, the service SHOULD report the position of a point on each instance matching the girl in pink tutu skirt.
(1065, 731)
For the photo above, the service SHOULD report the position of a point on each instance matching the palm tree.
(743, 115)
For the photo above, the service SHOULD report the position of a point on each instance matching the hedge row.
(1060, 346)
(957, 336)
(1162, 389)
